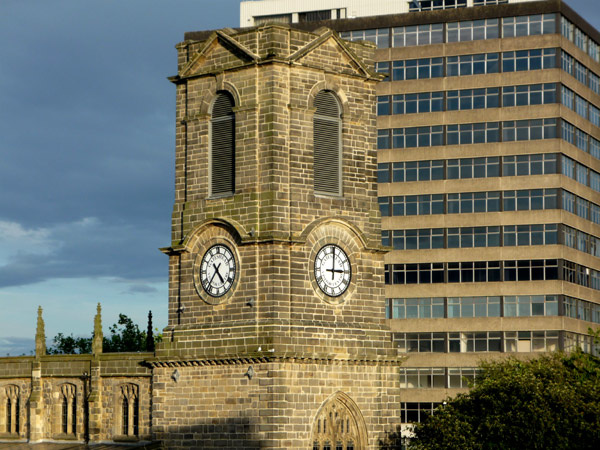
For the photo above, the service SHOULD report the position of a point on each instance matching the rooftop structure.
(257, 12)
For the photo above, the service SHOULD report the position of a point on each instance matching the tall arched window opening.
(327, 127)
(130, 409)
(69, 409)
(8, 415)
(222, 143)
(13, 418)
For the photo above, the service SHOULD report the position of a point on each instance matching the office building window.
(479, 64)
(432, 5)
(473, 99)
(512, 306)
(586, 343)
(420, 342)
(417, 69)
(423, 378)
(535, 94)
(473, 133)
(314, 16)
(525, 60)
(473, 307)
(423, 102)
(417, 308)
(580, 73)
(417, 171)
(520, 235)
(473, 237)
(465, 168)
(594, 82)
(531, 270)
(462, 377)
(528, 130)
(522, 165)
(472, 30)
(416, 412)
(473, 202)
(421, 239)
(379, 36)
(529, 25)
(530, 305)
(275, 18)
(530, 341)
(418, 35)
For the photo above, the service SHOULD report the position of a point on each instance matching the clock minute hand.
(333, 264)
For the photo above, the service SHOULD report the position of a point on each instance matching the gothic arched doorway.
(339, 425)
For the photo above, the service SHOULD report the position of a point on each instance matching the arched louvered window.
(327, 126)
(222, 151)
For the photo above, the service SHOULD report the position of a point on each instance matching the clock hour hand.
(334, 271)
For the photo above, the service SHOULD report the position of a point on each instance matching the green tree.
(68, 345)
(125, 336)
(552, 402)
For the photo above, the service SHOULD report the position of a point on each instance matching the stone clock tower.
(277, 335)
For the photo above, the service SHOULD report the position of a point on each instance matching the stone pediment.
(224, 50)
(329, 44)
(219, 50)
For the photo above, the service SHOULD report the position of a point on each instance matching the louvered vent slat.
(326, 135)
(223, 146)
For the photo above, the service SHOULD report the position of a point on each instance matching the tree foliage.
(552, 402)
(69, 345)
(125, 336)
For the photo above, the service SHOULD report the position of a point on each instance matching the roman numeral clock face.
(217, 270)
(332, 270)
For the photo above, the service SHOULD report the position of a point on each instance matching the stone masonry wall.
(218, 406)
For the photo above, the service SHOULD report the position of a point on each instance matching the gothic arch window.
(327, 129)
(339, 426)
(12, 408)
(130, 410)
(222, 146)
(68, 419)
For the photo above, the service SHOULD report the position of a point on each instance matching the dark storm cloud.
(87, 131)
(88, 248)
(16, 346)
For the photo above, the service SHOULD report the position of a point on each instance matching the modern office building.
(489, 177)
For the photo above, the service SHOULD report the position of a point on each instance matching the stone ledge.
(274, 359)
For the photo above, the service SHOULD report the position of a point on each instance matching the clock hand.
(333, 265)
(334, 271)
(217, 272)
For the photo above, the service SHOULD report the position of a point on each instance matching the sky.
(87, 134)
(87, 119)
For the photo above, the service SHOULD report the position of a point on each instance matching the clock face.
(332, 270)
(217, 270)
